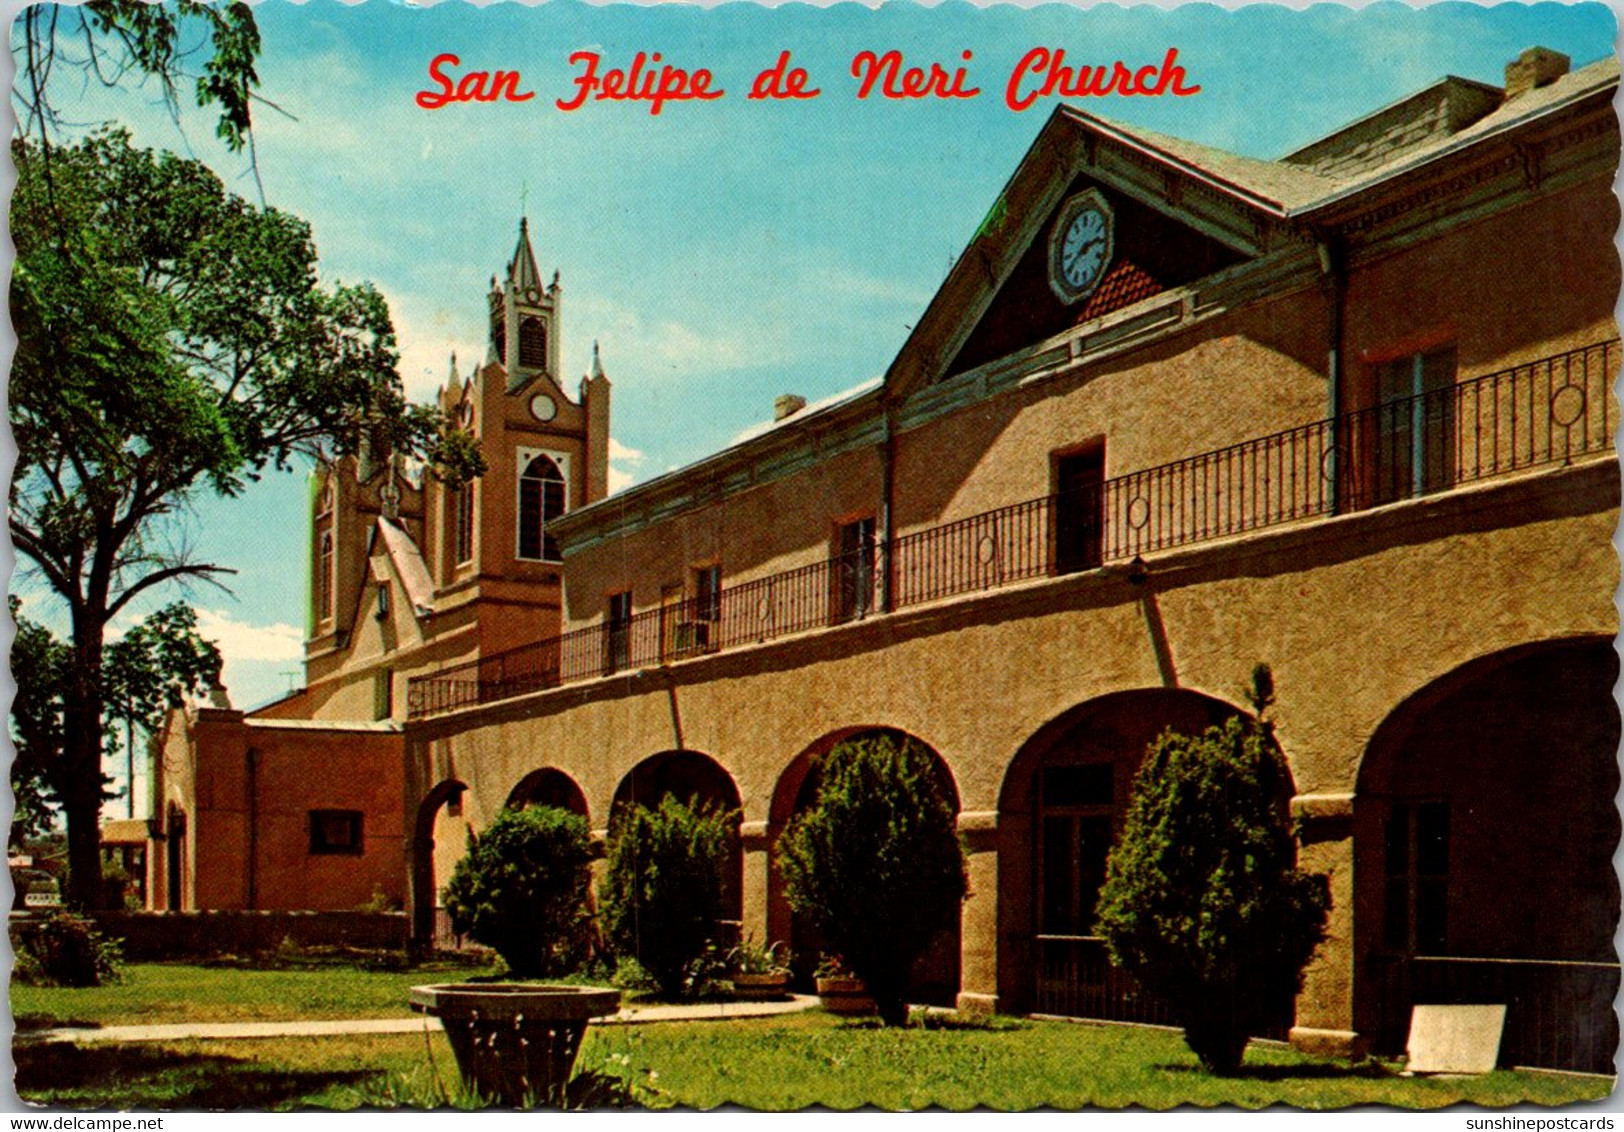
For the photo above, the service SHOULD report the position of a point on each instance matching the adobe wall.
(777, 526)
(1361, 593)
(1245, 374)
(296, 769)
(1524, 283)
(1355, 614)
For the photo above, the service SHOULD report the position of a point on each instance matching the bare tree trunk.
(81, 785)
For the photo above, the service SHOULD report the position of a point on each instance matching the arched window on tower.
(324, 578)
(533, 343)
(541, 500)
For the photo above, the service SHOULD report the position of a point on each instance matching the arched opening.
(1484, 832)
(548, 787)
(935, 977)
(439, 839)
(1064, 799)
(533, 343)
(691, 777)
(175, 859)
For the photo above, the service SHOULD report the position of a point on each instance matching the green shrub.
(664, 890)
(523, 888)
(1203, 904)
(876, 862)
(59, 949)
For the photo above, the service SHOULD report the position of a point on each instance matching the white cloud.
(620, 476)
(241, 640)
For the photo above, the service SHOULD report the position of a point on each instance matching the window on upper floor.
(618, 638)
(462, 523)
(335, 832)
(1079, 530)
(708, 592)
(856, 562)
(1403, 442)
(541, 500)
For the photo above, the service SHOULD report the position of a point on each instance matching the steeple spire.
(522, 271)
(597, 362)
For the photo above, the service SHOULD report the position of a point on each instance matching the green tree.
(523, 887)
(153, 667)
(1203, 903)
(171, 339)
(877, 863)
(131, 42)
(150, 670)
(664, 890)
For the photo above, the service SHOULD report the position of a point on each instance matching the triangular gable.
(1184, 211)
(1151, 253)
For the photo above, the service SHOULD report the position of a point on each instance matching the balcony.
(1543, 413)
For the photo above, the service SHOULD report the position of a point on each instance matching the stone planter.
(761, 988)
(515, 1043)
(845, 996)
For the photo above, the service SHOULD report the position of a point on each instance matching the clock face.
(542, 407)
(1080, 249)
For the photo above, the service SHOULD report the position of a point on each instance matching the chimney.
(1534, 68)
(788, 405)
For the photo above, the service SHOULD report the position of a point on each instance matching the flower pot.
(845, 996)
(767, 987)
(515, 1043)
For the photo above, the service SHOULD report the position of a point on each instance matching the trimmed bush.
(876, 862)
(1203, 904)
(523, 890)
(665, 888)
(59, 949)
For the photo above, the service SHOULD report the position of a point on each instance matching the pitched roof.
(1273, 185)
(409, 564)
(1288, 188)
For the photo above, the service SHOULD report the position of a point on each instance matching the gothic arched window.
(541, 500)
(533, 343)
(324, 577)
(462, 522)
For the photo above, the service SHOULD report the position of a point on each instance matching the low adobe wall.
(180, 935)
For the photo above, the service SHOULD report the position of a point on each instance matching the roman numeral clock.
(1080, 246)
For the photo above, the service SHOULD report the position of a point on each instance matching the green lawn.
(781, 1063)
(160, 993)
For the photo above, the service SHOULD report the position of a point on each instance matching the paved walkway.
(628, 1016)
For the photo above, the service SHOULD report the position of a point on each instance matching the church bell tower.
(524, 318)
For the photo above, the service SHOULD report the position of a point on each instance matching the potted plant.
(760, 974)
(515, 1043)
(841, 991)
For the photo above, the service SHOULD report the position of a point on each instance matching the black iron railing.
(1075, 978)
(1559, 1013)
(1542, 413)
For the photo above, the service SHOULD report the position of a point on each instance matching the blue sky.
(722, 252)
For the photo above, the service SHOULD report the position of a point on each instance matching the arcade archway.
(1063, 802)
(692, 777)
(435, 850)
(1484, 833)
(548, 787)
(935, 977)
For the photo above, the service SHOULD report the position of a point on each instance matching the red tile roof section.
(1124, 284)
